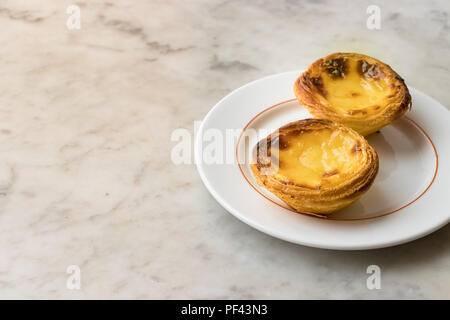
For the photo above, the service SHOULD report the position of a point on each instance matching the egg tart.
(358, 91)
(315, 166)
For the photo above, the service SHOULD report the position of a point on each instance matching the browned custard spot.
(331, 173)
(369, 71)
(353, 112)
(318, 83)
(336, 68)
(356, 147)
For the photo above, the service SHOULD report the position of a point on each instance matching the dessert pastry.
(315, 166)
(358, 91)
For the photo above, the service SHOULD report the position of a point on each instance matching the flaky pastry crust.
(355, 165)
(356, 90)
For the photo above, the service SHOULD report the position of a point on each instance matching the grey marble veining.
(85, 123)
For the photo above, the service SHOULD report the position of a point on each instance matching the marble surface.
(85, 123)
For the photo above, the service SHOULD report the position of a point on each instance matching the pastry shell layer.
(356, 90)
(315, 166)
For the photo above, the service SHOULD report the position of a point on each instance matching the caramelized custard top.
(314, 158)
(353, 86)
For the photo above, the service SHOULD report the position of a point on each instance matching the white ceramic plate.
(408, 200)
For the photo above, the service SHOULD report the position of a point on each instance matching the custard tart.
(356, 90)
(315, 166)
